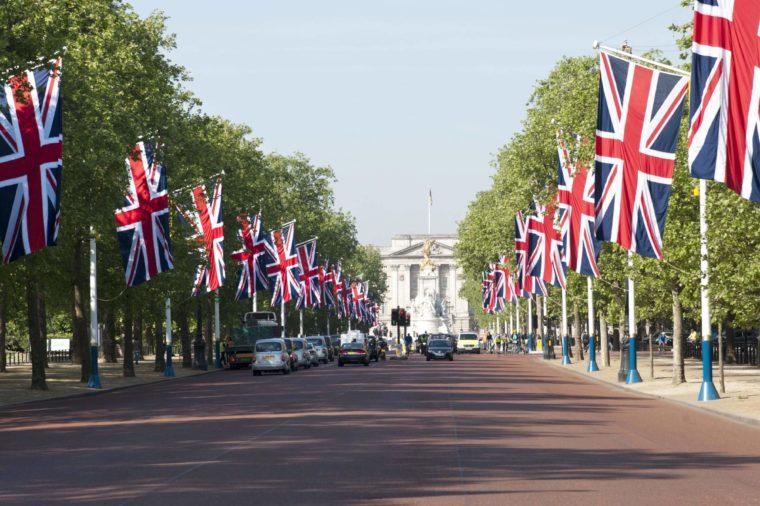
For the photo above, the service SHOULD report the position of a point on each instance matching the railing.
(746, 354)
(24, 357)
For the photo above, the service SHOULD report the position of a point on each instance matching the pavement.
(63, 380)
(740, 400)
(482, 429)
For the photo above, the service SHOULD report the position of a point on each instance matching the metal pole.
(707, 392)
(300, 315)
(94, 381)
(328, 323)
(546, 317)
(217, 332)
(517, 318)
(633, 372)
(530, 323)
(169, 371)
(592, 366)
(282, 316)
(565, 344)
(255, 306)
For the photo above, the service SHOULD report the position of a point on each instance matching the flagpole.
(255, 304)
(430, 206)
(94, 381)
(517, 319)
(565, 347)
(592, 366)
(217, 331)
(707, 392)
(530, 323)
(169, 371)
(300, 314)
(282, 315)
(633, 372)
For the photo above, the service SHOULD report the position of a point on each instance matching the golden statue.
(427, 250)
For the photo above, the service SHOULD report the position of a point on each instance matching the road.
(479, 430)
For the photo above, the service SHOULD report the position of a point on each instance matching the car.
(440, 349)
(353, 353)
(468, 342)
(323, 349)
(270, 355)
(311, 353)
(302, 355)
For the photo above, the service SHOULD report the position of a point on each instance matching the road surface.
(480, 430)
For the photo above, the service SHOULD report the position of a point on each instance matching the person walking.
(498, 344)
(489, 343)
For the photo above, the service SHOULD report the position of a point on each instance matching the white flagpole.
(282, 315)
(592, 366)
(517, 319)
(300, 314)
(546, 318)
(565, 344)
(633, 372)
(430, 206)
(94, 381)
(169, 371)
(530, 323)
(255, 303)
(707, 392)
(217, 331)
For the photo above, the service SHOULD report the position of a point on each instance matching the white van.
(468, 342)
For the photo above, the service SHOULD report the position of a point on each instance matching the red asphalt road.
(480, 430)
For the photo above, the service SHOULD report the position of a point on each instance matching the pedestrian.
(693, 336)
(489, 343)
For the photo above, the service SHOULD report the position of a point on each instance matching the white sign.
(59, 344)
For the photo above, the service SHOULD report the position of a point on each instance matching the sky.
(399, 97)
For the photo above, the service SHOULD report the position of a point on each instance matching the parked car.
(324, 350)
(353, 353)
(312, 354)
(302, 355)
(292, 353)
(270, 355)
(440, 349)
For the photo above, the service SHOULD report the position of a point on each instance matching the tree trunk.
(81, 340)
(679, 375)
(184, 337)
(36, 342)
(3, 329)
(577, 334)
(109, 339)
(730, 340)
(210, 334)
(604, 340)
(158, 339)
(128, 368)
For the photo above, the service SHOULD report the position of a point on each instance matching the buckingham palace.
(424, 278)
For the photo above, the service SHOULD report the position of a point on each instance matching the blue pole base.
(708, 392)
(592, 367)
(169, 371)
(94, 381)
(566, 360)
(633, 377)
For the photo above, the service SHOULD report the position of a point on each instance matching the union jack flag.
(208, 222)
(340, 286)
(327, 286)
(309, 295)
(143, 223)
(724, 141)
(283, 270)
(639, 114)
(485, 291)
(545, 247)
(575, 196)
(31, 152)
(506, 288)
(252, 257)
(526, 284)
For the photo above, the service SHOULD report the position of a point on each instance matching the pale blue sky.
(396, 96)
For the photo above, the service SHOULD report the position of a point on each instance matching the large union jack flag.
(545, 247)
(143, 223)
(506, 288)
(724, 140)
(639, 114)
(208, 222)
(575, 196)
(31, 152)
(252, 257)
(283, 270)
(309, 292)
(340, 285)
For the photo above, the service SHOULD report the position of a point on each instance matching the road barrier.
(24, 357)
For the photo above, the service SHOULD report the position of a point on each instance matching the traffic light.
(408, 321)
(402, 316)
(394, 316)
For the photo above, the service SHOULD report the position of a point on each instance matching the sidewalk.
(63, 380)
(740, 402)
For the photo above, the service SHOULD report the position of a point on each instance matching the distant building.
(424, 278)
